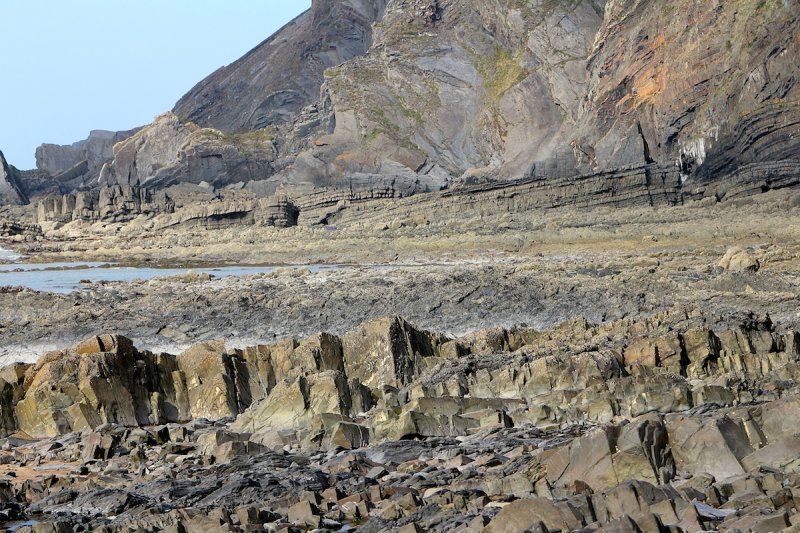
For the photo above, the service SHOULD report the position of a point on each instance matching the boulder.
(643, 451)
(715, 446)
(587, 459)
(531, 514)
(211, 390)
(348, 436)
(387, 351)
(86, 387)
(782, 455)
(737, 259)
(701, 347)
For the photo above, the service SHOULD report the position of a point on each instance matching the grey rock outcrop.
(115, 203)
(88, 155)
(500, 430)
(439, 102)
(11, 191)
(272, 82)
(169, 152)
(123, 203)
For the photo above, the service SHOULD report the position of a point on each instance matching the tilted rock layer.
(10, 189)
(435, 92)
(679, 422)
(282, 74)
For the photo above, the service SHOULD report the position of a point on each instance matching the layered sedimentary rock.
(678, 420)
(20, 231)
(645, 185)
(68, 162)
(115, 203)
(516, 91)
(122, 203)
(272, 82)
(169, 152)
(711, 87)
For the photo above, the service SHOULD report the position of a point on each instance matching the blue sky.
(68, 67)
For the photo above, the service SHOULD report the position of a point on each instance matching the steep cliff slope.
(710, 85)
(221, 133)
(482, 87)
(377, 97)
(283, 74)
(499, 88)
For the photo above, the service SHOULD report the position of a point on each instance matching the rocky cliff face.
(169, 152)
(711, 86)
(443, 91)
(417, 95)
(445, 87)
(89, 154)
(283, 74)
(508, 89)
(116, 203)
(453, 88)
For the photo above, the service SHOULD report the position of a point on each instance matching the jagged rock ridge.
(678, 422)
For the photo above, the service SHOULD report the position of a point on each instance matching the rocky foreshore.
(676, 422)
(525, 267)
(600, 369)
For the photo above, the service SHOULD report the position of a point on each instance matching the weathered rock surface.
(115, 203)
(739, 260)
(88, 155)
(440, 99)
(10, 189)
(283, 74)
(711, 89)
(15, 231)
(169, 152)
(417, 96)
(503, 430)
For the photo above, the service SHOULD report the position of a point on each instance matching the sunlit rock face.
(711, 87)
(411, 96)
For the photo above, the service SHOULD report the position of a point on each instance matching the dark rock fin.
(646, 147)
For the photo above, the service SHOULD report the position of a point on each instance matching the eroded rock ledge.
(679, 422)
(648, 185)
